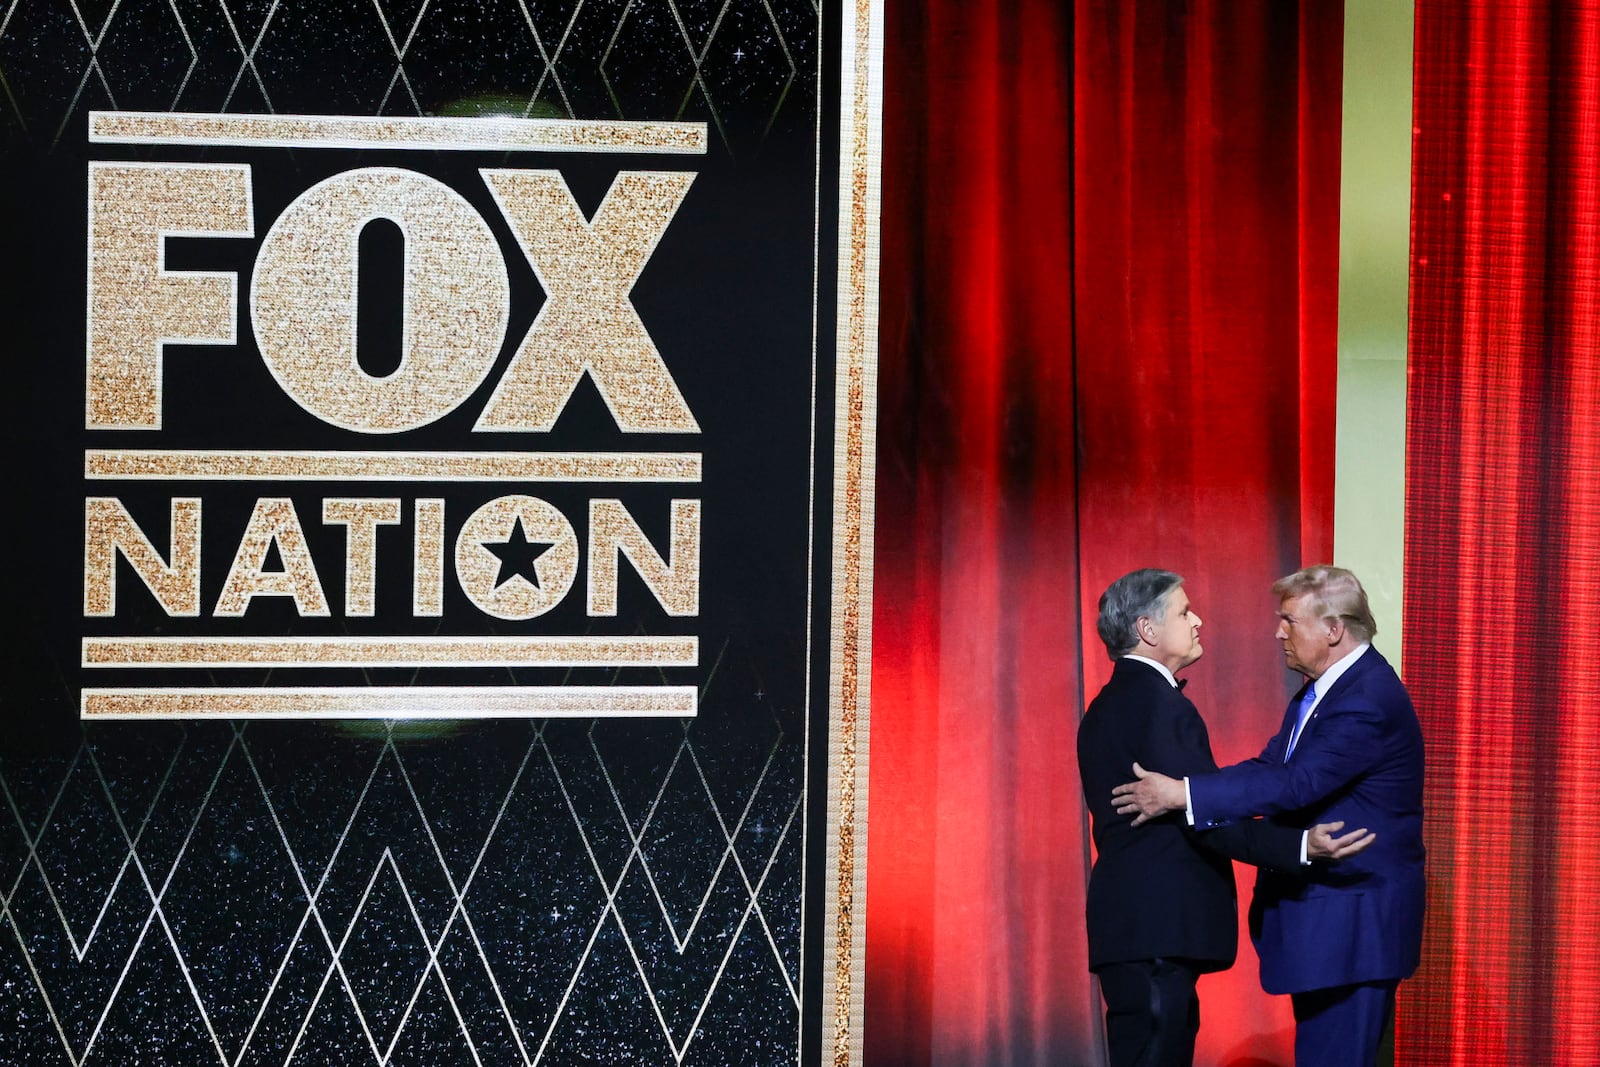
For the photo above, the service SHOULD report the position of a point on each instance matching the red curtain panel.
(1503, 528)
(1108, 341)
(975, 948)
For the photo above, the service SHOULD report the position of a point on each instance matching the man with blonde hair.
(1350, 749)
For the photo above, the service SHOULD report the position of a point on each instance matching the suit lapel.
(1359, 667)
(1280, 740)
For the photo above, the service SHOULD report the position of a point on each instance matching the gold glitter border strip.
(233, 466)
(374, 652)
(855, 446)
(486, 134)
(391, 702)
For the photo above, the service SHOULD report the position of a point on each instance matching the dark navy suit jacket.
(1358, 759)
(1161, 889)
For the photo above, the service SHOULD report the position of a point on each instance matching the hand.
(1151, 795)
(1322, 845)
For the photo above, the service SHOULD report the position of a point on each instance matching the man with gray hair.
(1350, 748)
(1161, 903)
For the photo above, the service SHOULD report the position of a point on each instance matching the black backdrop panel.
(394, 887)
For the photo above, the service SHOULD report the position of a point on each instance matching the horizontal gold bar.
(344, 651)
(392, 702)
(235, 465)
(488, 133)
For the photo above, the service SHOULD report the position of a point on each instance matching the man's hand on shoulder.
(1149, 795)
(1321, 844)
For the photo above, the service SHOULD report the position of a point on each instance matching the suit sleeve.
(1348, 740)
(1255, 841)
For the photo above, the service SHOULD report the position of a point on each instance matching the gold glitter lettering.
(109, 529)
(588, 325)
(361, 517)
(516, 520)
(303, 300)
(427, 560)
(614, 533)
(273, 520)
(136, 305)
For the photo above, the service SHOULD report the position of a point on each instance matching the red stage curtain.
(1108, 341)
(1503, 528)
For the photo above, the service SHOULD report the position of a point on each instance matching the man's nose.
(1195, 615)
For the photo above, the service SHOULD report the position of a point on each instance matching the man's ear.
(1145, 629)
(1336, 630)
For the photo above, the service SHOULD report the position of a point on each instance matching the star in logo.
(518, 555)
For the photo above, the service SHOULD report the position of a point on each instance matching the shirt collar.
(1162, 667)
(1335, 672)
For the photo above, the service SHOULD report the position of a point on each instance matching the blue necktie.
(1303, 715)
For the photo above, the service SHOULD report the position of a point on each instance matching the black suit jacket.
(1162, 889)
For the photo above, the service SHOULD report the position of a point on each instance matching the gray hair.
(1331, 593)
(1140, 594)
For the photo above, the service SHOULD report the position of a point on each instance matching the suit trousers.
(1343, 1026)
(1152, 1012)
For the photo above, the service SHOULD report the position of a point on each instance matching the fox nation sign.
(400, 451)
(512, 557)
